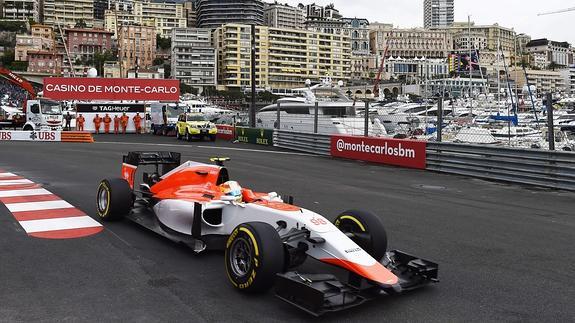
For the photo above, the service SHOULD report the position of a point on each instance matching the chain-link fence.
(542, 127)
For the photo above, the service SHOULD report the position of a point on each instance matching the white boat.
(336, 114)
(211, 112)
(410, 114)
(516, 132)
(475, 135)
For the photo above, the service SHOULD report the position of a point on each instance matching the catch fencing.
(551, 169)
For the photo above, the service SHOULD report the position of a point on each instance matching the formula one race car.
(263, 236)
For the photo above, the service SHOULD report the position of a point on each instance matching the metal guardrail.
(552, 169)
(305, 142)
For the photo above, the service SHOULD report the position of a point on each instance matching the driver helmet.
(232, 188)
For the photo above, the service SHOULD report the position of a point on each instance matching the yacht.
(336, 113)
(211, 112)
(410, 114)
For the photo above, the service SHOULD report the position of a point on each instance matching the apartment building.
(85, 43)
(68, 12)
(438, 13)
(285, 58)
(47, 62)
(214, 13)
(20, 10)
(136, 47)
(558, 53)
(544, 81)
(163, 16)
(410, 43)
(279, 15)
(485, 37)
(46, 33)
(194, 57)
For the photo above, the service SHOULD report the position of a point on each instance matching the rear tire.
(254, 255)
(28, 128)
(178, 136)
(114, 199)
(368, 230)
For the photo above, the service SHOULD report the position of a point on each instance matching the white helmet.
(232, 188)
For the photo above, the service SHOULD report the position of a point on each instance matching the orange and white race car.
(264, 237)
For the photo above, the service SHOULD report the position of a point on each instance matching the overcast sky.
(518, 14)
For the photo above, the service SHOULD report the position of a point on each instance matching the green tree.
(18, 66)
(158, 61)
(8, 57)
(185, 88)
(167, 71)
(13, 26)
(80, 24)
(552, 66)
(163, 43)
(210, 91)
(102, 57)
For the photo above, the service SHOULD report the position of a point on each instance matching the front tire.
(114, 199)
(366, 229)
(254, 255)
(213, 138)
(188, 136)
(178, 136)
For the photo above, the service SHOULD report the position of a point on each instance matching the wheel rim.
(102, 199)
(241, 257)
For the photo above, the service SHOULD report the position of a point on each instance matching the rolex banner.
(255, 136)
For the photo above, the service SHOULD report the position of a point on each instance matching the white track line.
(79, 222)
(31, 192)
(15, 182)
(38, 206)
(210, 147)
(7, 175)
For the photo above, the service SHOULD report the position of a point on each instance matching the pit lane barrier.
(542, 168)
(47, 136)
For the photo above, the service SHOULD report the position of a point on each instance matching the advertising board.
(398, 152)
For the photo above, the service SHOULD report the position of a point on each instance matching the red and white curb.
(41, 213)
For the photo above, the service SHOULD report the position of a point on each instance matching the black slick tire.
(367, 231)
(114, 199)
(254, 255)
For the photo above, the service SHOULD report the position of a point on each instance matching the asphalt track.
(506, 252)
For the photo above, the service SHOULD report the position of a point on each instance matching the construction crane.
(379, 72)
(557, 11)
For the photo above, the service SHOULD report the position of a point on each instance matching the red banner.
(66, 88)
(405, 153)
(226, 132)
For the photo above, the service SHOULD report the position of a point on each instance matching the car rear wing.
(131, 162)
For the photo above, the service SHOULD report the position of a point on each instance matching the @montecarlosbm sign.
(404, 153)
(113, 89)
(110, 108)
(255, 136)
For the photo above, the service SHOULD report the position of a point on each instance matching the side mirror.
(35, 108)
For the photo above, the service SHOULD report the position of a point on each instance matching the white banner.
(53, 136)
